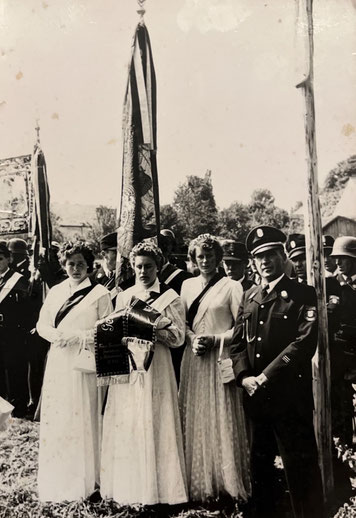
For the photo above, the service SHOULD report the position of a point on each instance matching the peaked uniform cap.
(345, 245)
(4, 250)
(109, 242)
(328, 242)
(234, 250)
(264, 238)
(17, 246)
(295, 245)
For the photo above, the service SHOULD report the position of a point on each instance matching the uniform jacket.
(277, 335)
(14, 317)
(176, 282)
(246, 283)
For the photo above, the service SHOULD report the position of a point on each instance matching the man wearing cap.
(173, 277)
(329, 261)
(106, 274)
(13, 318)
(170, 274)
(235, 261)
(339, 393)
(20, 261)
(344, 252)
(275, 338)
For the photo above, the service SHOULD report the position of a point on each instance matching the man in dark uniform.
(106, 274)
(274, 340)
(235, 261)
(170, 274)
(13, 326)
(339, 390)
(329, 261)
(344, 252)
(173, 277)
(20, 261)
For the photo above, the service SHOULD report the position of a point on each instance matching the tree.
(334, 185)
(194, 203)
(264, 211)
(105, 224)
(234, 222)
(169, 219)
(55, 222)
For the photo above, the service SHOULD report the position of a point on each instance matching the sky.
(226, 75)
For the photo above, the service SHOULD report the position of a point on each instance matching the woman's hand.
(202, 344)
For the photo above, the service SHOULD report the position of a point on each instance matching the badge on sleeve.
(310, 313)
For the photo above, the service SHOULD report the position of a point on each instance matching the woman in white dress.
(69, 429)
(214, 431)
(142, 451)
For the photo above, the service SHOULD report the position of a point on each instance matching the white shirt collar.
(2, 275)
(353, 277)
(155, 287)
(272, 284)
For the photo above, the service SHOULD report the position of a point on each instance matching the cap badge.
(310, 313)
(292, 244)
(259, 232)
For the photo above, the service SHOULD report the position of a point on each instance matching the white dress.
(214, 430)
(142, 451)
(69, 430)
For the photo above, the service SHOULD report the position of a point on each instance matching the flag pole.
(316, 276)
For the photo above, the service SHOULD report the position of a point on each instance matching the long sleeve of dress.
(173, 336)
(235, 301)
(45, 326)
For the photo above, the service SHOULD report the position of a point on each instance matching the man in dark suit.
(344, 252)
(274, 340)
(169, 273)
(20, 261)
(340, 389)
(106, 274)
(173, 277)
(13, 327)
(235, 261)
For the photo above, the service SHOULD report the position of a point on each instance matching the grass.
(18, 488)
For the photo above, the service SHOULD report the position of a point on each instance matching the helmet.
(345, 245)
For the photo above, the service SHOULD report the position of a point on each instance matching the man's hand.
(250, 384)
(261, 379)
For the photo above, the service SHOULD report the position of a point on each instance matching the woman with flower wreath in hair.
(142, 452)
(70, 409)
(214, 432)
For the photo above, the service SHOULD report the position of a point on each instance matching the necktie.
(265, 290)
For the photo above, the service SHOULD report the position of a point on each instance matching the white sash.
(113, 293)
(207, 299)
(164, 300)
(9, 284)
(91, 297)
(171, 277)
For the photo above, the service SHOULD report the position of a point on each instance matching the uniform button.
(259, 339)
(299, 375)
(262, 306)
(261, 322)
(258, 355)
(285, 316)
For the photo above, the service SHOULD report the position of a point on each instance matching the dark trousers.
(295, 440)
(13, 374)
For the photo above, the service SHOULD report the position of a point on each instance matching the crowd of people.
(228, 386)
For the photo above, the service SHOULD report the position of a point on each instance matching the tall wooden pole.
(316, 277)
